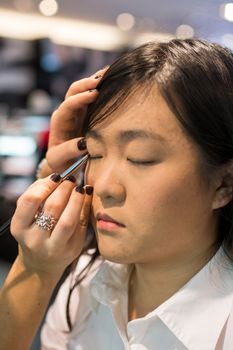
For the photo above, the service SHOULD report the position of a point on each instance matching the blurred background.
(46, 45)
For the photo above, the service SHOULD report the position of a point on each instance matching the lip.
(105, 221)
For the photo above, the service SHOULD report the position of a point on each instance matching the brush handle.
(5, 226)
(81, 161)
(74, 167)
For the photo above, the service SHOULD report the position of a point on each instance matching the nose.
(108, 183)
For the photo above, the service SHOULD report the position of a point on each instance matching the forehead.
(147, 111)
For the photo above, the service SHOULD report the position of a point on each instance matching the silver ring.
(45, 221)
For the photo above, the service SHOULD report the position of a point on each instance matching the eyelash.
(141, 162)
(135, 162)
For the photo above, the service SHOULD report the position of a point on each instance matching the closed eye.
(94, 157)
(141, 161)
(133, 161)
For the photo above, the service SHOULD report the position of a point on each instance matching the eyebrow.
(126, 136)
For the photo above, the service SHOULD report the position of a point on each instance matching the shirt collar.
(195, 314)
(109, 284)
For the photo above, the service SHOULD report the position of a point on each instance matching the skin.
(167, 208)
(66, 124)
(43, 257)
(138, 196)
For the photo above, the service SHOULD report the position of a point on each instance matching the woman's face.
(147, 178)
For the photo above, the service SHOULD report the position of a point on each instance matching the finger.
(52, 209)
(85, 212)
(68, 151)
(100, 72)
(67, 120)
(82, 85)
(78, 100)
(67, 223)
(70, 112)
(78, 238)
(86, 83)
(57, 201)
(29, 203)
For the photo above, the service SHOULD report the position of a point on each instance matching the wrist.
(46, 277)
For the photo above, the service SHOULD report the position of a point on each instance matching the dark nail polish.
(71, 178)
(79, 189)
(89, 190)
(82, 144)
(55, 177)
(98, 77)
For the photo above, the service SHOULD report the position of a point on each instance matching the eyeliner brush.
(78, 164)
(81, 161)
(5, 226)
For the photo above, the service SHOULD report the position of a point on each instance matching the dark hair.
(196, 80)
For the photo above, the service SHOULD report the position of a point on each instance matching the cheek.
(169, 193)
(166, 212)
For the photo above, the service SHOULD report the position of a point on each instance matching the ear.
(223, 186)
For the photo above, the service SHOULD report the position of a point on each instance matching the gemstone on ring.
(45, 221)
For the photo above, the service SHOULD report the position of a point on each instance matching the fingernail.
(82, 144)
(98, 76)
(79, 189)
(71, 178)
(55, 177)
(89, 190)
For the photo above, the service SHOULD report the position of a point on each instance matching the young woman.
(159, 132)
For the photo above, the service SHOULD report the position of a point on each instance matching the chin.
(112, 252)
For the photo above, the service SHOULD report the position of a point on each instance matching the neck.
(152, 284)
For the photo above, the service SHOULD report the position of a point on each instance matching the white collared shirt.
(194, 318)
